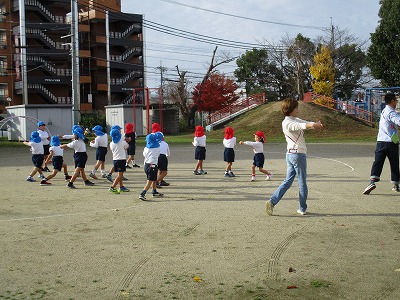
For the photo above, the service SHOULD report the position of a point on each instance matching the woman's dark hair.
(288, 106)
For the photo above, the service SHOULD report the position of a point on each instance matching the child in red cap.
(258, 160)
(229, 153)
(199, 142)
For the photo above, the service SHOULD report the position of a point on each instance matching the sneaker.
(128, 166)
(158, 185)
(299, 211)
(227, 175)
(109, 178)
(269, 176)
(195, 172)
(71, 185)
(157, 194)
(231, 174)
(136, 166)
(269, 208)
(124, 178)
(253, 178)
(164, 183)
(113, 190)
(30, 179)
(41, 176)
(67, 177)
(396, 188)
(91, 175)
(103, 176)
(202, 172)
(369, 188)
(124, 189)
(44, 183)
(89, 183)
(142, 197)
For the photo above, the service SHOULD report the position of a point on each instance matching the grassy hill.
(268, 118)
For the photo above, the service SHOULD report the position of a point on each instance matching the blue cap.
(98, 130)
(151, 141)
(115, 135)
(35, 137)
(55, 141)
(79, 132)
(117, 127)
(159, 136)
(40, 123)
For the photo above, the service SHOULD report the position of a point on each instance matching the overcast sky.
(245, 21)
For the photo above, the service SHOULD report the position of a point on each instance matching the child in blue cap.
(118, 147)
(56, 155)
(151, 153)
(45, 137)
(100, 143)
(35, 142)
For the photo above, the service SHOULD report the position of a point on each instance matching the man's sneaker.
(253, 178)
(142, 197)
(88, 183)
(93, 176)
(67, 177)
(30, 179)
(232, 174)
(164, 183)
(195, 172)
(44, 183)
(124, 178)
(71, 185)
(396, 188)
(128, 166)
(157, 194)
(369, 188)
(299, 211)
(113, 190)
(202, 172)
(227, 175)
(269, 208)
(41, 176)
(124, 189)
(269, 176)
(136, 166)
(109, 177)
(103, 176)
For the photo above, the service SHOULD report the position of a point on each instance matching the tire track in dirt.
(122, 292)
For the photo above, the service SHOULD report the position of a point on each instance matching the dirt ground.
(208, 238)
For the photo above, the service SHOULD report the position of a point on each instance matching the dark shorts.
(200, 153)
(80, 159)
(258, 160)
(101, 153)
(58, 162)
(151, 172)
(46, 149)
(131, 150)
(37, 160)
(163, 162)
(119, 165)
(229, 155)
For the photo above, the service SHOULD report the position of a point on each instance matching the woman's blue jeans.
(296, 165)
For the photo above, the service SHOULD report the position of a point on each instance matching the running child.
(151, 153)
(118, 147)
(199, 142)
(109, 175)
(80, 157)
(44, 135)
(100, 143)
(162, 160)
(229, 153)
(258, 159)
(56, 155)
(36, 144)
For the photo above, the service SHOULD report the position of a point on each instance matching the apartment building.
(36, 55)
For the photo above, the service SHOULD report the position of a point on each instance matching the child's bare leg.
(65, 168)
(75, 175)
(118, 180)
(54, 173)
(228, 167)
(253, 170)
(264, 171)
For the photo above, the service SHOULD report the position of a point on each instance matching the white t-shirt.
(100, 141)
(36, 148)
(78, 145)
(257, 146)
(44, 135)
(164, 148)
(151, 155)
(199, 141)
(118, 149)
(57, 151)
(229, 143)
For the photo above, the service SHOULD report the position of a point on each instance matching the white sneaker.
(269, 208)
(301, 212)
(269, 177)
(253, 178)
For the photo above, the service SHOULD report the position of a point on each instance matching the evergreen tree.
(383, 57)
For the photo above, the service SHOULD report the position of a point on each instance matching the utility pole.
(76, 102)
(22, 37)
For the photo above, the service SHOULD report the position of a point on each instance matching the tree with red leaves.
(215, 93)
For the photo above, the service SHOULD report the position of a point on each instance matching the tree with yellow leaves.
(323, 72)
